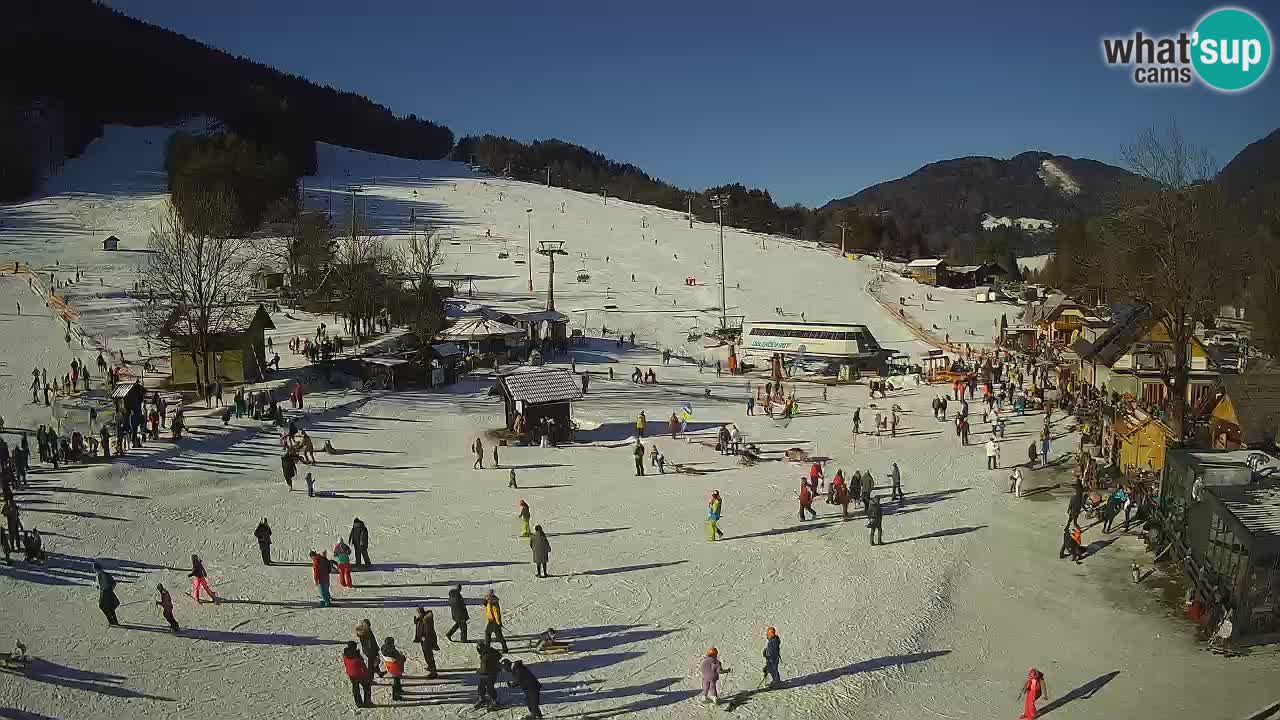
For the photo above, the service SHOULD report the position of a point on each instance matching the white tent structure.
(476, 329)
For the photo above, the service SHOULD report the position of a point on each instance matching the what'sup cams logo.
(1229, 51)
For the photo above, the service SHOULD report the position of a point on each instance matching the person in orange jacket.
(1032, 690)
(806, 501)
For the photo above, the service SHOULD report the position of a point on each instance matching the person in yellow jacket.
(641, 422)
(493, 621)
(524, 519)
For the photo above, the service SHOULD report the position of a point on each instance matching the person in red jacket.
(320, 570)
(806, 500)
(357, 673)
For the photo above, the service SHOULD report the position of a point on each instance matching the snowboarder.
(358, 674)
(107, 600)
(541, 548)
(1032, 690)
(806, 501)
(875, 519)
(522, 678)
(369, 644)
(320, 570)
(359, 539)
(165, 603)
(424, 633)
(772, 656)
(393, 661)
(342, 559)
(711, 671)
(714, 506)
(200, 580)
(457, 611)
(263, 534)
(895, 475)
(524, 519)
(487, 691)
(493, 621)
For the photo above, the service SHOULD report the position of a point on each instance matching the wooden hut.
(539, 401)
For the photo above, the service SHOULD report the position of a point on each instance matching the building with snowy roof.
(538, 401)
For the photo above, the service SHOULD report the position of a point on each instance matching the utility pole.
(842, 227)
(721, 203)
(548, 176)
(528, 256)
(690, 199)
(353, 213)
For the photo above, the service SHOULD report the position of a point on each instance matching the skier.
(369, 644)
(711, 671)
(493, 621)
(524, 519)
(359, 538)
(457, 611)
(772, 656)
(875, 518)
(487, 690)
(541, 552)
(358, 674)
(1032, 690)
(714, 505)
(342, 558)
(522, 678)
(806, 501)
(320, 569)
(165, 603)
(896, 476)
(107, 600)
(424, 633)
(394, 663)
(200, 580)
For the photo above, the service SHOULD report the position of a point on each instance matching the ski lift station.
(840, 343)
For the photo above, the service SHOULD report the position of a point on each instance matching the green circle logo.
(1231, 49)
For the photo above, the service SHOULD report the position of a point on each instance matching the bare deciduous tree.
(1163, 245)
(362, 264)
(195, 286)
(419, 262)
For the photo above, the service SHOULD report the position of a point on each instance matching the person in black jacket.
(523, 678)
(359, 539)
(263, 534)
(875, 516)
(772, 656)
(424, 633)
(488, 676)
(289, 466)
(458, 611)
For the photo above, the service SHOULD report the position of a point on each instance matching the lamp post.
(720, 203)
(528, 256)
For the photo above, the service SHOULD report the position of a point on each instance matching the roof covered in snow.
(542, 385)
(926, 262)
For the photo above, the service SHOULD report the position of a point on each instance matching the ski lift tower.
(720, 203)
(551, 248)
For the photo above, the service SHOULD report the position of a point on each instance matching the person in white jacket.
(993, 454)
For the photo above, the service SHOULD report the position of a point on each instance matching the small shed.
(112, 243)
(1186, 473)
(929, 271)
(1138, 440)
(1245, 411)
(127, 397)
(539, 401)
(1237, 551)
(549, 325)
(388, 372)
(235, 354)
(268, 280)
(445, 357)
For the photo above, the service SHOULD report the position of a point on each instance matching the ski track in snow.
(934, 623)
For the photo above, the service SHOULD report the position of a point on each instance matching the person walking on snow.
(359, 538)
(358, 674)
(711, 672)
(486, 689)
(165, 603)
(342, 558)
(895, 475)
(478, 449)
(493, 621)
(522, 678)
(714, 505)
(393, 662)
(993, 454)
(369, 644)
(320, 570)
(200, 580)
(639, 453)
(541, 548)
(263, 535)
(524, 519)
(1032, 690)
(107, 600)
(875, 520)
(806, 501)
(458, 611)
(424, 633)
(772, 656)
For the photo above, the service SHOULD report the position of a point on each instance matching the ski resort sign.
(1228, 51)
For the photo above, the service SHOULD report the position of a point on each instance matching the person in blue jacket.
(772, 656)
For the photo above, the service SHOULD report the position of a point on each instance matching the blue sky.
(811, 100)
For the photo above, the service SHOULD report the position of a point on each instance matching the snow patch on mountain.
(990, 222)
(1055, 177)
